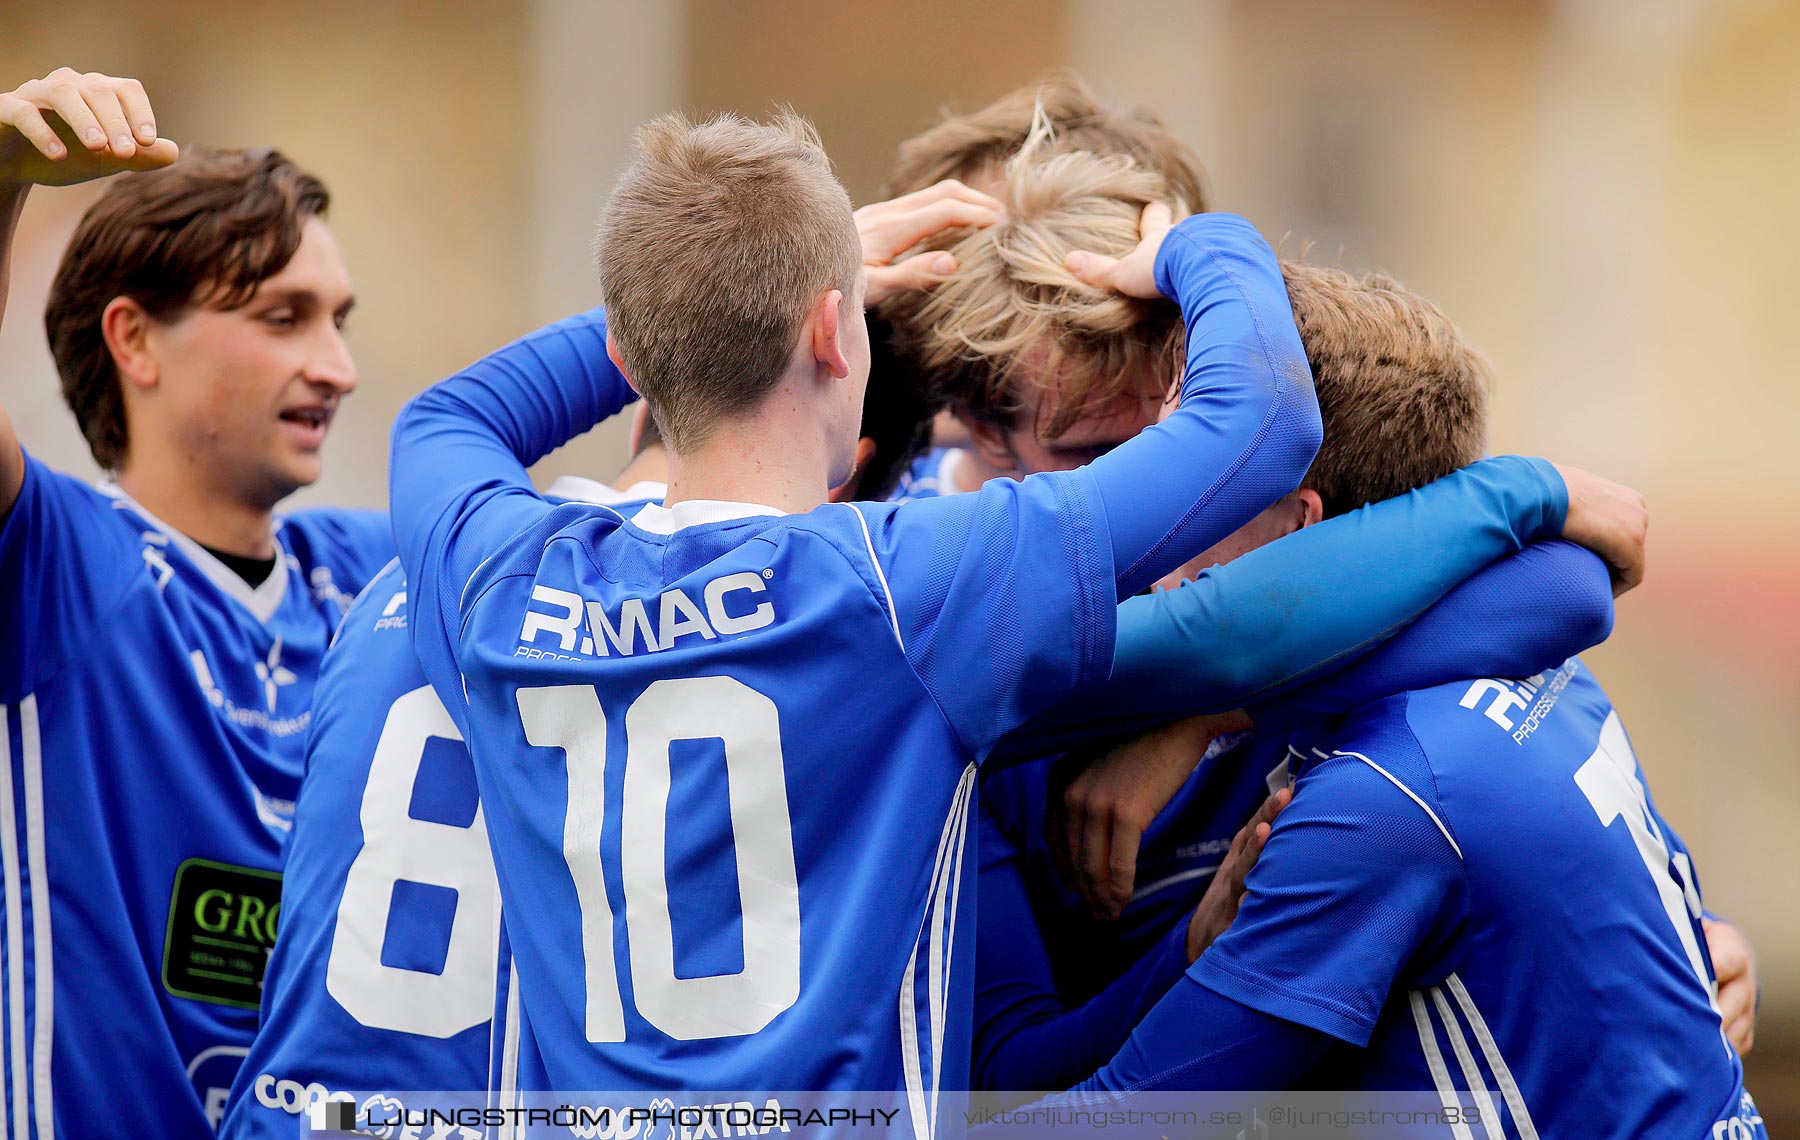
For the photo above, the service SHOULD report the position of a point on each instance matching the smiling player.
(163, 629)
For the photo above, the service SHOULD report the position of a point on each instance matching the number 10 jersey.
(727, 758)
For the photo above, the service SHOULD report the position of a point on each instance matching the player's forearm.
(1039, 1049)
(12, 204)
(1521, 615)
(12, 458)
(1248, 425)
(475, 434)
(1198, 1039)
(1295, 607)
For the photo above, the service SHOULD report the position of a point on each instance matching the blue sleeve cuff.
(1556, 497)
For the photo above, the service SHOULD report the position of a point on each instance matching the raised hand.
(888, 229)
(68, 127)
(1609, 519)
(1134, 274)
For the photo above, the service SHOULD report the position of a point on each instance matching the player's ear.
(1311, 506)
(126, 328)
(865, 454)
(612, 354)
(988, 439)
(826, 322)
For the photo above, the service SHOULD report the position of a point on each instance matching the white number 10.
(570, 718)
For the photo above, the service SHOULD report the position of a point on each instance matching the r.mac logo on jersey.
(571, 623)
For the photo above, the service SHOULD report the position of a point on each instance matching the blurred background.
(1600, 191)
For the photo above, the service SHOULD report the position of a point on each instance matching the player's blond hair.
(1403, 395)
(1061, 113)
(975, 147)
(714, 244)
(1013, 315)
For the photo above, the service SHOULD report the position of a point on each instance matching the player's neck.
(650, 465)
(783, 453)
(758, 459)
(214, 520)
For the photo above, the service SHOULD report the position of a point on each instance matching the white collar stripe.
(262, 601)
(658, 519)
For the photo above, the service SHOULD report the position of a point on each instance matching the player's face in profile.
(1089, 437)
(254, 389)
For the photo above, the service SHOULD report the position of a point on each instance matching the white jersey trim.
(658, 519)
(262, 600)
(1411, 795)
(1509, 1088)
(880, 574)
(43, 1008)
(15, 942)
(591, 491)
(1490, 1117)
(1434, 1060)
(945, 869)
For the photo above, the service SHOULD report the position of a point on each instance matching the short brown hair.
(1013, 314)
(983, 141)
(206, 230)
(1402, 394)
(714, 243)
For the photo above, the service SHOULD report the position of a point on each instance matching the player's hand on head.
(1100, 804)
(69, 127)
(1609, 519)
(888, 229)
(1735, 965)
(1134, 274)
(1220, 903)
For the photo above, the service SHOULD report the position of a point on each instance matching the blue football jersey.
(1474, 892)
(153, 709)
(680, 679)
(928, 476)
(727, 756)
(383, 979)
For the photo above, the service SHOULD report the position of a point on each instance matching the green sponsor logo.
(222, 924)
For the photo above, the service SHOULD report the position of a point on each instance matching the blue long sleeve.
(1294, 608)
(1026, 1036)
(1196, 1038)
(458, 479)
(1248, 425)
(1524, 614)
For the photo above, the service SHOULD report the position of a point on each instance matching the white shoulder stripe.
(15, 941)
(1448, 838)
(880, 574)
(1434, 1060)
(1509, 1088)
(43, 965)
(509, 1058)
(1490, 1116)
